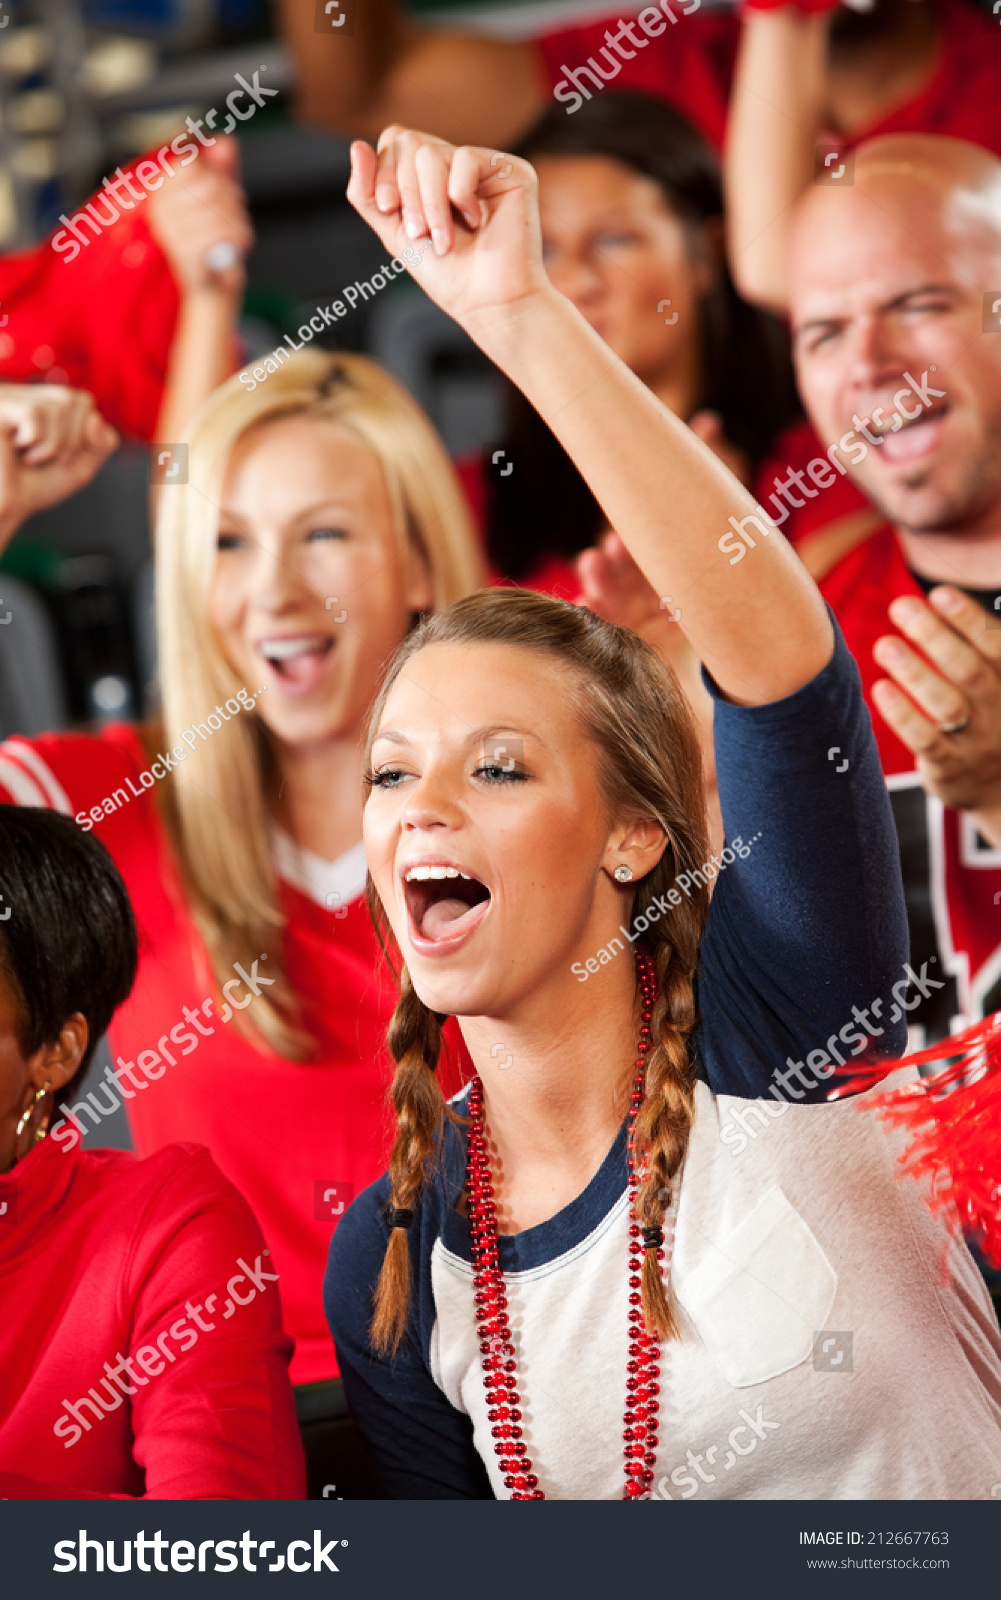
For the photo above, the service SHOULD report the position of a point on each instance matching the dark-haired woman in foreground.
(595, 1288)
(141, 1345)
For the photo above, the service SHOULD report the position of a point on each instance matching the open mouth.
(444, 903)
(299, 661)
(918, 437)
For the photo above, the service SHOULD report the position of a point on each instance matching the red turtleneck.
(141, 1346)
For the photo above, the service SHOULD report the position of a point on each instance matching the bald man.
(892, 284)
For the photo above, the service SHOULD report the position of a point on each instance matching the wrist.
(505, 332)
(210, 294)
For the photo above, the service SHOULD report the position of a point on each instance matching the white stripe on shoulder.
(15, 780)
(57, 798)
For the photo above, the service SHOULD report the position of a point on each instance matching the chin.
(451, 994)
(307, 725)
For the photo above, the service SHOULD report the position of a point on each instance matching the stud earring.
(623, 874)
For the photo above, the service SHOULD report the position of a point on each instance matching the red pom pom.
(955, 1117)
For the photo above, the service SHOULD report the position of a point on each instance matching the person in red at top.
(141, 1346)
(321, 517)
(138, 315)
(922, 65)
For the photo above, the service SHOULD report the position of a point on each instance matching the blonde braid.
(663, 1122)
(414, 1039)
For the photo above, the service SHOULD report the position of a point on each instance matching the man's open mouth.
(444, 901)
(917, 437)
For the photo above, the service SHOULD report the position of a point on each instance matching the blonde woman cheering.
(321, 518)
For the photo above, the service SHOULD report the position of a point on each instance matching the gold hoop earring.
(42, 1128)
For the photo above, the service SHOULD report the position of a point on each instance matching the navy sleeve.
(421, 1447)
(808, 919)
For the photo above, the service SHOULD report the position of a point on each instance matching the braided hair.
(635, 715)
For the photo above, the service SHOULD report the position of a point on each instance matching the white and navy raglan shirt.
(836, 1341)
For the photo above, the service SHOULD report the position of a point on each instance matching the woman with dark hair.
(631, 208)
(566, 1279)
(141, 1345)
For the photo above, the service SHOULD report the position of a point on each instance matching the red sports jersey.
(145, 1279)
(952, 876)
(691, 65)
(297, 1139)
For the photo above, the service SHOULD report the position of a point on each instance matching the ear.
(639, 845)
(57, 1064)
(417, 578)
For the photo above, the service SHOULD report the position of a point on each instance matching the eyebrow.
(337, 507)
(888, 305)
(476, 736)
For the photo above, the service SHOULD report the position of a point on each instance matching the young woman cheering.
(571, 1283)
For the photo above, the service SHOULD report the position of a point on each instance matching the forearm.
(389, 69)
(340, 74)
(201, 358)
(759, 625)
(775, 111)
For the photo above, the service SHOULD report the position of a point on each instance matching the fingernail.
(908, 607)
(890, 650)
(439, 238)
(413, 224)
(946, 600)
(385, 198)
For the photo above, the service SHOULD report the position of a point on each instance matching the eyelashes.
(392, 777)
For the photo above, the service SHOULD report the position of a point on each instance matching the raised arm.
(390, 69)
(759, 624)
(202, 210)
(775, 112)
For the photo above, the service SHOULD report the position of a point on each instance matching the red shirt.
(103, 321)
(952, 876)
(284, 1132)
(101, 1255)
(691, 66)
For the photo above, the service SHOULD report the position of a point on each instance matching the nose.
(431, 805)
(876, 355)
(574, 273)
(274, 582)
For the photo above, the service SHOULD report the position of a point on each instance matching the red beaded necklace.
(641, 1415)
